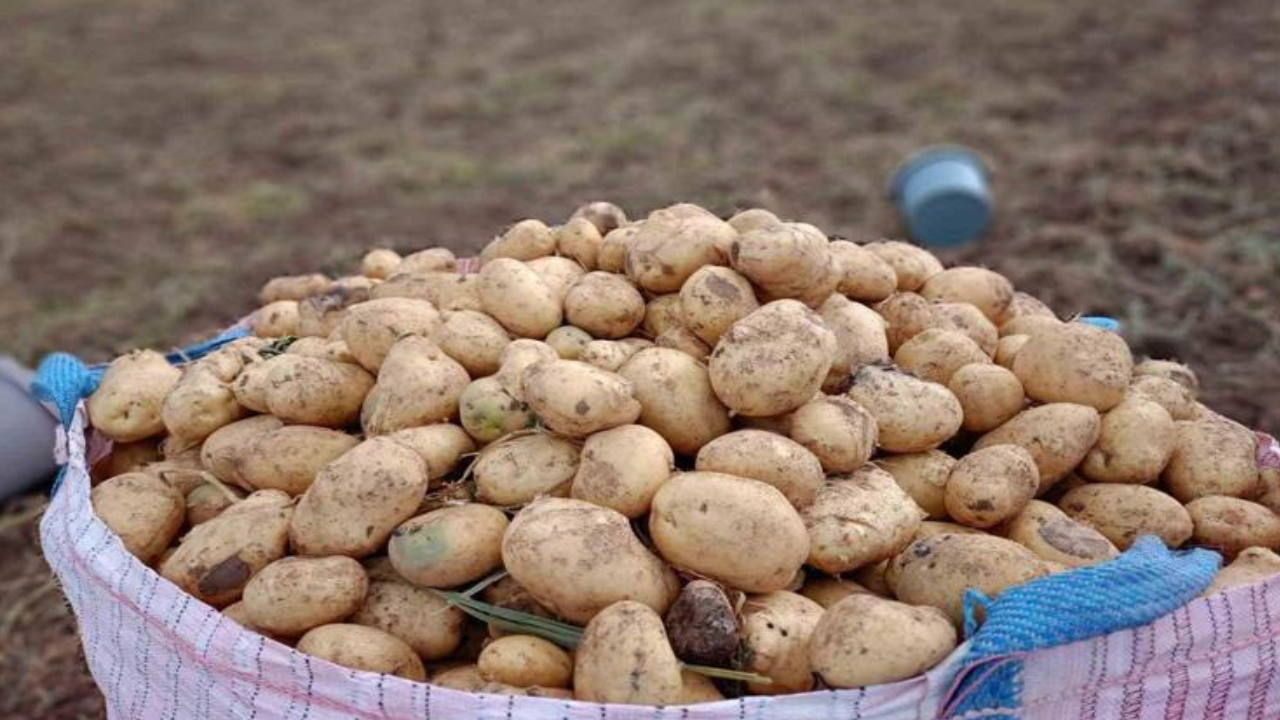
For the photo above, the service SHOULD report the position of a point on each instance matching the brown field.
(159, 160)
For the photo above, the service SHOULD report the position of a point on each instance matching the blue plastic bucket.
(943, 196)
(1101, 321)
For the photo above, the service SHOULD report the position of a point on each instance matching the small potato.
(423, 620)
(474, 339)
(786, 260)
(991, 485)
(552, 548)
(702, 625)
(440, 446)
(989, 395)
(580, 240)
(1134, 445)
(776, 631)
(676, 398)
(431, 260)
(513, 294)
(292, 595)
(913, 265)
(293, 287)
(700, 521)
(773, 360)
(363, 648)
(525, 661)
(576, 399)
(1057, 435)
(126, 407)
(1253, 565)
(859, 519)
(864, 276)
(679, 337)
(289, 458)
(224, 450)
(1175, 398)
(605, 216)
(990, 292)
(1075, 363)
(449, 547)
(1055, 537)
(310, 391)
(418, 384)
(827, 591)
(465, 678)
(558, 274)
(768, 457)
(379, 264)
(662, 312)
(1212, 458)
(744, 221)
(613, 251)
(200, 403)
(713, 299)
(605, 305)
(607, 354)
(860, 334)
(276, 319)
(622, 468)
(515, 358)
(666, 250)
(865, 640)
(1229, 525)
(1024, 305)
(912, 415)
(969, 320)
(905, 315)
(487, 412)
(145, 511)
(1007, 349)
(519, 469)
(935, 355)
(923, 476)
(936, 571)
(526, 240)
(1123, 512)
(624, 658)
(1175, 371)
(839, 431)
(568, 342)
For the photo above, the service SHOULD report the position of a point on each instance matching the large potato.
(292, 595)
(371, 328)
(1057, 435)
(1123, 512)
(1212, 458)
(622, 468)
(552, 548)
(418, 384)
(967, 319)
(363, 648)
(624, 658)
(580, 240)
(865, 640)
(768, 457)
(776, 631)
(422, 619)
(860, 335)
(989, 291)
(519, 469)
(745, 221)
(487, 412)
(311, 391)
(605, 305)
(713, 299)
(911, 414)
(449, 547)
(577, 399)
(1055, 537)
(293, 287)
(223, 452)
(288, 458)
(937, 570)
(839, 431)
(1134, 445)
(773, 360)
(905, 315)
(991, 485)
(989, 395)
(514, 295)
(1175, 398)
(199, 404)
(923, 476)
(666, 250)
(859, 519)
(786, 260)
(126, 406)
(613, 251)
(1169, 370)
(440, 446)
(700, 521)
(525, 661)
(145, 511)
(568, 342)
(913, 265)
(474, 339)
(358, 500)
(1075, 363)
(1254, 565)
(526, 240)
(1229, 525)
(864, 276)
(516, 358)
(935, 354)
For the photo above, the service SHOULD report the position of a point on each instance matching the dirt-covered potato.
(1029, 325)
(127, 457)
(773, 360)
(518, 356)
(624, 657)
(989, 395)
(859, 519)
(923, 476)
(991, 485)
(208, 500)
(568, 342)
(425, 621)
(519, 469)
(1075, 363)
(371, 328)
(145, 511)
(126, 406)
(525, 240)
(513, 294)
(310, 391)
(786, 260)
(768, 457)
(1229, 525)
(827, 591)
(860, 335)
(776, 631)
(1212, 458)
(700, 521)
(750, 219)
(935, 354)
(525, 661)
(1057, 435)
(473, 339)
(666, 250)
(580, 240)
(363, 648)
(275, 319)
(357, 500)
(1024, 305)
(613, 251)
(837, 430)
(912, 415)
(662, 312)
(605, 305)
(449, 547)
(441, 446)
(864, 276)
(199, 404)
(294, 594)
(913, 265)
(487, 412)
(905, 315)
(679, 337)
(865, 640)
(222, 452)
(320, 315)
(552, 548)
(1253, 565)
(288, 458)
(1007, 349)
(293, 287)
(576, 399)
(607, 355)
(1123, 512)
(1169, 394)
(712, 300)
(605, 216)
(444, 290)
(441, 260)
(1055, 537)
(702, 625)
(989, 291)
(380, 263)
(622, 468)
(1168, 369)
(969, 320)
(937, 570)
(1135, 443)
(418, 384)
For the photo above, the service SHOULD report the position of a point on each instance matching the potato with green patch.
(624, 657)
(1075, 363)
(991, 485)
(293, 595)
(143, 510)
(865, 640)
(768, 457)
(1124, 512)
(418, 384)
(622, 468)
(487, 412)
(519, 469)
(126, 406)
(449, 547)
(576, 399)
(1056, 537)
(363, 648)
(859, 519)
(912, 415)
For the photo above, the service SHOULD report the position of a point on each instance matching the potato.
(1169, 370)
(519, 469)
(224, 450)
(558, 274)
(509, 594)
(1123, 512)
(514, 295)
(310, 391)
(289, 458)
(864, 276)
(449, 547)
(605, 305)
(440, 446)
(357, 500)
(293, 287)
(1055, 537)
(786, 260)
(444, 290)
(827, 591)
(552, 548)
(380, 263)
(431, 260)
(417, 385)
(859, 519)
(217, 558)
(865, 640)
(874, 577)
(1212, 458)
(422, 619)
(989, 395)
(605, 216)
(488, 412)
(526, 240)
(580, 240)
(517, 356)
(320, 315)
(666, 250)
(576, 399)
(200, 403)
(773, 360)
(363, 648)
(1230, 525)
(624, 658)
(744, 221)
(607, 355)
(292, 595)
(698, 689)
(991, 485)
(1057, 435)
(474, 339)
(1024, 305)
(860, 334)
(613, 251)
(1134, 445)
(1176, 399)
(1253, 565)
(679, 337)
(776, 631)
(839, 431)
(525, 661)
(1030, 325)
(126, 407)
(923, 476)
(676, 398)
(465, 678)
(936, 571)
(712, 299)
(935, 355)
(355, 286)
(143, 510)
(1075, 363)
(768, 457)
(275, 319)
(905, 315)
(989, 291)
(662, 312)
(702, 625)
(622, 468)
(967, 319)
(1007, 349)
(569, 342)
(911, 414)
(912, 265)
(127, 457)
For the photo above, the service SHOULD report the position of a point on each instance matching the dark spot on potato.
(582, 408)
(229, 574)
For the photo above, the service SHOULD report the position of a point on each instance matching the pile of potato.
(734, 444)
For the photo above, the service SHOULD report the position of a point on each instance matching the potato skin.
(1007, 350)
(514, 295)
(143, 510)
(288, 458)
(519, 469)
(418, 384)
(371, 328)
(858, 520)
(936, 354)
(679, 337)
(311, 391)
(923, 476)
(525, 240)
(990, 292)
(912, 415)
(865, 640)
(449, 547)
(518, 357)
(419, 617)
(913, 265)
(580, 240)
(701, 520)
(768, 457)
(441, 446)
(1057, 435)
(624, 657)
(677, 399)
(667, 250)
(991, 485)
(525, 661)
(568, 342)
(1212, 458)
(744, 221)
(1135, 443)
(989, 395)
(837, 430)
(126, 406)
(292, 595)
(1175, 371)
(1252, 565)
(1175, 398)
(968, 320)
(487, 412)
(1229, 525)
(773, 360)
(363, 648)
(474, 339)
(200, 403)
(1075, 363)
(605, 305)
(1051, 534)
(293, 287)
(713, 299)
(786, 260)
(860, 334)
(827, 591)
(1123, 512)
(937, 570)
(906, 315)
(776, 631)
(864, 276)
(621, 469)
(576, 399)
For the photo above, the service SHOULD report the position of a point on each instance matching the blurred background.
(160, 159)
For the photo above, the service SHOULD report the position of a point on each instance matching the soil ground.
(160, 159)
